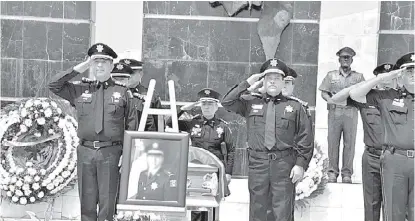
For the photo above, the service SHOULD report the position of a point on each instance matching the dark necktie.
(270, 125)
(99, 109)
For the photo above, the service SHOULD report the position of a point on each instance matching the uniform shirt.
(160, 186)
(293, 129)
(209, 135)
(337, 80)
(372, 125)
(139, 94)
(118, 113)
(397, 114)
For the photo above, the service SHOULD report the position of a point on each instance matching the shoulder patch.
(120, 84)
(223, 121)
(139, 96)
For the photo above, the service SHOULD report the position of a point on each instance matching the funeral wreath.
(38, 150)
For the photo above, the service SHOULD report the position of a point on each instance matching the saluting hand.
(188, 107)
(391, 75)
(297, 173)
(256, 85)
(254, 78)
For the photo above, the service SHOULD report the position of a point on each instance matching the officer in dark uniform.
(279, 140)
(342, 118)
(140, 91)
(397, 159)
(123, 71)
(155, 183)
(209, 132)
(103, 112)
(373, 139)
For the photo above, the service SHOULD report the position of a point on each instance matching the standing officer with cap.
(373, 139)
(279, 139)
(397, 160)
(342, 118)
(103, 112)
(140, 91)
(209, 132)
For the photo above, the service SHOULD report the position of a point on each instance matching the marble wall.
(38, 39)
(195, 51)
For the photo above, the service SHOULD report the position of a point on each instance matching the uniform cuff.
(301, 162)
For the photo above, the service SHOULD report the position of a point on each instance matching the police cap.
(155, 150)
(275, 66)
(134, 64)
(383, 68)
(346, 51)
(208, 94)
(100, 50)
(406, 61)
(121, 70)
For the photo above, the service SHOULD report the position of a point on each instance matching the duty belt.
(271, 155)
(374, 150)
(407, 153)
(99, 144)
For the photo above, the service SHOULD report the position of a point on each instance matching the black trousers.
(98, 180)
(372, 185)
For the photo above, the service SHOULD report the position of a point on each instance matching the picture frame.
(164, 188)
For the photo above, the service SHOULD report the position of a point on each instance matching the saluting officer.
(140, 91)
(279, 140)
(103, 113)
(155, 183)
(209, 132)
(397, 160)
(373, 139)
(342, 118)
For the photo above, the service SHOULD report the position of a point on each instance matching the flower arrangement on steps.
(38, 151)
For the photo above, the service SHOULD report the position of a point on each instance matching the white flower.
(55, 182)
(36, 115)
(19, 193)
(5, 187)
(23, 112)
(6, 180)
(37, 134)
(32, 171)
(41, 121)
(28, 122)
(53, 103)
(35, 186)
(36, 102)
(19, 183)
(9, 194)
(120, 215)
(23, 200)
(128, 215)
(45, 105)
(62, 123)
(27, 192)
(23, 128)
(12, 188)
(40, 194)
(59, 110)
(26, 187)
(19, 170)
(50, 131)
(29, 164)
(50, 186)
(15, 199)
(32, 199)
(37, 178)
(29, 103)
(55, 119)
(65, 174)
(43, 172)
(136, 216)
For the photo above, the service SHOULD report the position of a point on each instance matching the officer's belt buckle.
(94, 143)
(272, 156)
(410, 153)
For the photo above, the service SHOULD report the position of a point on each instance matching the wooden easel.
(160, 112)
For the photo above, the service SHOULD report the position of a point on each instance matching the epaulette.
(76, 82)
(87, 80)
(223, 121)
(305, 104)
(197, 116)
(120, 84)
(139, 96)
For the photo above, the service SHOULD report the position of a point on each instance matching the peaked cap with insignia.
(208, 94)
(121, 70)
(155, 150)
(406, 61)
(291, 74)
(275, 66)
(346, 51)
(134, 64)
(383, 68)
(100, 50)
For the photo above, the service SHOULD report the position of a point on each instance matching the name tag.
(399, 104)
(86, 95)
(257, 106)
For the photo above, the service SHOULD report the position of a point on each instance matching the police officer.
(103, 113)
(279, 139)
(342, 118)
(140, 91)
(397, 159)
(155, 183)
(373, 139)
(209, 132)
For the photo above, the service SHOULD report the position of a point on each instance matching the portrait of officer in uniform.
(156, 182)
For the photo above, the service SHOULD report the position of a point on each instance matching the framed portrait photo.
(154, 169)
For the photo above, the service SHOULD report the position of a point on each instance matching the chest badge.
(289, 109)
(196, 130)
(154, 186)
(219, 130)
(116, 97)
(86, 95)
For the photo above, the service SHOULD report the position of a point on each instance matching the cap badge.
(274, 63)
(127, 62)
(387, 67)
(207, 92)
(100, 48)
(413, 57)
(119, 66)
